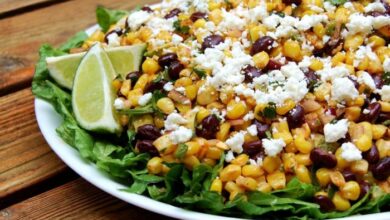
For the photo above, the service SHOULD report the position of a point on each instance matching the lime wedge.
(93, 94)
(124, 59)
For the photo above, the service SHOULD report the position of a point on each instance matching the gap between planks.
(77, 199)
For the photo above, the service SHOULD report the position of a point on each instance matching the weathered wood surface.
(12, 5)
(25, 157)
(75, 200)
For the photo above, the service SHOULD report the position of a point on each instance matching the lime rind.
(93, 94)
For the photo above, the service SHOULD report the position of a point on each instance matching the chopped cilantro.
(181, 29)
(201, 73)
(270, 111)
(337, 2)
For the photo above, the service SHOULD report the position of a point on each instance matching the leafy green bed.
(180, 187)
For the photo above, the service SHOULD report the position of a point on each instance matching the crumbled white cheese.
(359, 23)
(375, 6)
(343, 89)
(258, 162)
(367, 80)
(252, 130)
(329, 7)
(380, 21)
(329, 73)
(201, 5)
(173, 121)
(309, 21)
(143, 100)
(334, 132)
(385, 93)
(348, 5)
(113, 40)
(136, 19)
(350, 152)
(181, 135)
(119, 104)
(273, 146)
(176, 39)
(168, 86)
(235, 142)
(363, 52)
(229, 156)
(249, 116)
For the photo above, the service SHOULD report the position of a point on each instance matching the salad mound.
(244, 108)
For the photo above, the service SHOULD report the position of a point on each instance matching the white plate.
(49, 120)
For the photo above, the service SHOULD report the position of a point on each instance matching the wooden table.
(34, 182)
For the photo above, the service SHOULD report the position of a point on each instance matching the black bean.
(146, 146)
(174, 70)
(148, 132)
(209, 127)
(273, 65)
(212, 41)
(364, 188)
(251, 72)
(172, 13)
(373, 114)
(321, 158)
(311, 79)
(147, 9)
(325, 203)
(166, 59)
(153, 86)
(253, 148)
(262, 44)
(382, 169)
(262, 128)
(133, 76)
(383, 116)
(372, 155)
(348, 175)
(296, 117)
(197, 15)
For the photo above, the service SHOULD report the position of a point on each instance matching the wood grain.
(75, 200)
(25, 33)
(16, 80)
(11, 5)
(25, 157)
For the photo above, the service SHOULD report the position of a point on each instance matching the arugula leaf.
(179, 28)
(337, 2)
(74, 42)
(181, 151)
(106, 17)
(297, 190)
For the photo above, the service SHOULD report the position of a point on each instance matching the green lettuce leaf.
(106, 17)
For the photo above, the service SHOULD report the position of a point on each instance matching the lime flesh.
(124, 60)
(92, 93)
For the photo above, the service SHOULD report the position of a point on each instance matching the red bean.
(325, 203)
(364, 188)
(153, 86)
(146, 146)
(296, 117)
(174, 70)
(261, 129)
(290, 2)
(372, 155)
(133, 76)
(321, 158)
(172, 13)
(209, 127)
(252, 148)
(378, 81)
(147, 9)
(262, 44)
(382, 169)
(148, 132)
(311, 79)
(250, 73)
(373, 114)
(166, 59)
(273, 65)
(197, 15)
(212, 41)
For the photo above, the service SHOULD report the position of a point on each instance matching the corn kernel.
(142, 82)
(319, 30)
(342, 15)
(215, 16)
(240, 160)
(316, 65)
(286, 107)
(190, 162)
(230, 173)
(223, 132)
(251, 170)
(292, 49)
(216, 186)
(236, 110)
(255, 31)
(191, 91)
(166, 105)
(303, 145)
(352, 42)
(337, 178)
(126, 87)
(246, 182)
(150, 66)
(261, 59)
(200, 23)
(231, 186)
(264, 187)
(133, 96)
(340, 203)
(155, 165)
(207, 95)
(193, 148)
(383, 148)
(289, 162)
(350, 190)
(277, 180)
(376, 41)
(270, 164)
(323, 176)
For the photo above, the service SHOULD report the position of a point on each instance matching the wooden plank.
(25, 33)
(16, 80)
(12, 5)
(25, 157)
(75, 200)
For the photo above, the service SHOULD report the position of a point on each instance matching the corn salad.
(280, 89)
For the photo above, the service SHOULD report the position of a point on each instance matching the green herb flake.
(181, 29)
(270, 111)
(200, 72)
(386, 78)
(337, 2)
(181, 151)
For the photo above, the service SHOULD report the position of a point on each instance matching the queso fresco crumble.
(283, 89)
